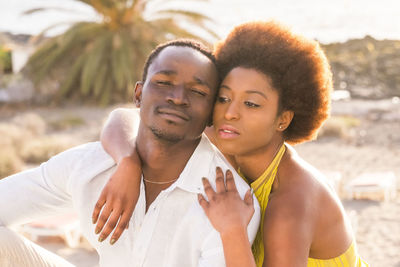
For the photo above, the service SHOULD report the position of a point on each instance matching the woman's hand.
(118, 199)
(225, 209)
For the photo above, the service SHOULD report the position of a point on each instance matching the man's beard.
(166, 136)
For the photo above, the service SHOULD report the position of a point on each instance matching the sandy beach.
(369, 143)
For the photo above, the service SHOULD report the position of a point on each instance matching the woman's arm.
(230, 215)
(119, 133)
(119, 196)
(289, 226)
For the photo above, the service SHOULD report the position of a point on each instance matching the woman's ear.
(284, 120)
(138, 93)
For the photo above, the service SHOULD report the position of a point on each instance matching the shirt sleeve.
(212, 254)
(39, 192)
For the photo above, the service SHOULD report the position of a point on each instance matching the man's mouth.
(172, 114)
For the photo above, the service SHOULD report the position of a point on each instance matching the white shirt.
(173, 232)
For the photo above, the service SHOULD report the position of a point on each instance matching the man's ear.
(138, 93)
(285, 119)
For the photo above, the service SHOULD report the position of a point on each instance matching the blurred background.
(65, 64)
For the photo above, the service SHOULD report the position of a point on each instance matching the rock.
(367, 67)
(19, 90)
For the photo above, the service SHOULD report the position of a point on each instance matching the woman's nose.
(232, 112)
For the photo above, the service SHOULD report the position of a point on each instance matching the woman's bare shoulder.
(301, 188)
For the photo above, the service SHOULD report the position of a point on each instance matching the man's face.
(176, 100)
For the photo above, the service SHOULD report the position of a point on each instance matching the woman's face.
(246, 112)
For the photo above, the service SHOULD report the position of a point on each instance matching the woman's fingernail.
(112, 241)
(101, 239)
(97, 231)
(93, 220)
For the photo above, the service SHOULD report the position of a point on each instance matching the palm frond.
(94, 59)
(161, 26)
(99, 81)
(44, 9)
(101, 60)
(106, 94)
(189, 16)
(40, 35)
(73, 75)
(186, 14)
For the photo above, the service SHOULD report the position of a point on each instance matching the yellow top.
(262, 189)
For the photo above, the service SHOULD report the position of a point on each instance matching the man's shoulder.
(81, 152)
(88, 157)
(218, 160)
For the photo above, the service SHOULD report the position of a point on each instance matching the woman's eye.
(223, 99)
(251, 104)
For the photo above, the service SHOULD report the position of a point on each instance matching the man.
(168, 227)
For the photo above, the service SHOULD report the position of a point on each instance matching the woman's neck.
(252, 165)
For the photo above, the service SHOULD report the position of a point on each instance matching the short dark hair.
(179, 42)
(297, 67)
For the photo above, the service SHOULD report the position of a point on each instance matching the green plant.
(5, 60)
(101, 60)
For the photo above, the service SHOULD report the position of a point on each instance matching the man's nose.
(178, 96)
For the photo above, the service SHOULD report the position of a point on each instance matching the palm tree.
(100, 60)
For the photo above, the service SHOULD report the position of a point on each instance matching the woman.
(275, 91)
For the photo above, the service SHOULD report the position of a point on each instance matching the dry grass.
(24, 139)
(10, 163)
(338, 127)
(66, 122)
(12, 135)
(30, 122)
(43, 148)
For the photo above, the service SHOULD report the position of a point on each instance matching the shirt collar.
(197, 167)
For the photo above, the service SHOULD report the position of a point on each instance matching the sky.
(324, 20)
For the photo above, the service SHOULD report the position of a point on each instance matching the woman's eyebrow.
(247, 92)
(225, 86)
(256, 92)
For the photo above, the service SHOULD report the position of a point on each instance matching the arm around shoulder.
(119, 133)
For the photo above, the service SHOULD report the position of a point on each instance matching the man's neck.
(162, 160)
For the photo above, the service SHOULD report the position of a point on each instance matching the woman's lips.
(228, 132)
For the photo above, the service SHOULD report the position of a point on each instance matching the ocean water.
(325, 20)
